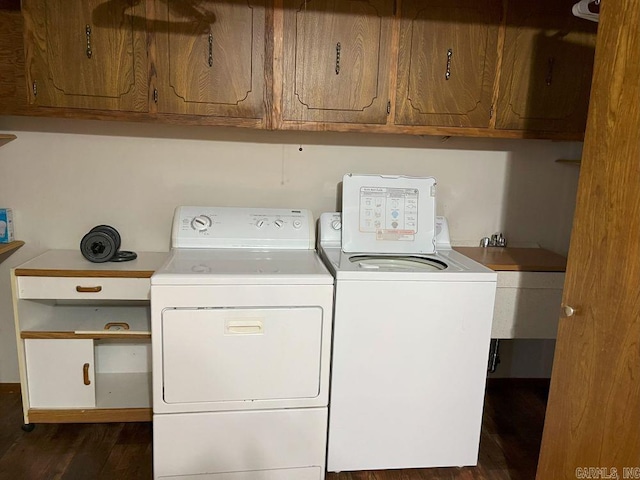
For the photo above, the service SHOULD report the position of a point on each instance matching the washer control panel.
(239, 227)
(330, 231)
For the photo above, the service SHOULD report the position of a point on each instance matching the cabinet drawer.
(83, 288)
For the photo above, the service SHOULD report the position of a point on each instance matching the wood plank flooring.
(510, 442)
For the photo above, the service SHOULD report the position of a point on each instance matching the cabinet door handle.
(85, 374)
(210, 50)
(114, 325)
(549, 78)
(82, 289)
(338, 48)
(87, 31)
(447, 74)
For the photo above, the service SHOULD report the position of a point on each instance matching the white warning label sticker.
(390, 213)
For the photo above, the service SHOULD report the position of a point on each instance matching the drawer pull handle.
(81, 289)
(549, 78)
(85, 374)
(210, 50)
(87, 31)
(447, 73)
(117, 326)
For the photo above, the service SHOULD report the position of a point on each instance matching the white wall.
(62, 177)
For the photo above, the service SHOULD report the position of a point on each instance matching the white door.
(241, 354)
(60, 373)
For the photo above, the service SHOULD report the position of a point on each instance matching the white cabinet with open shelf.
(95, 320)
(84, 337)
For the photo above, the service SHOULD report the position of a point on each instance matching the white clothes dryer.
(241, 332)
(411, 339)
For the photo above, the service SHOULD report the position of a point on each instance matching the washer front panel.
(408, 373)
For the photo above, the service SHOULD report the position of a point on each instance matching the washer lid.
(347, 267)
(388, 214)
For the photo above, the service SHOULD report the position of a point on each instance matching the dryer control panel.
(240, 227)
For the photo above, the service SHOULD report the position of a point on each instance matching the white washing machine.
(411, 333)
(241, 331)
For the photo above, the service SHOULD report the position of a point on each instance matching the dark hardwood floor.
(509, 446)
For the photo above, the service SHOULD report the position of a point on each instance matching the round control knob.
(259, 223)
(278, 223)
(336, 224)
(200, 223)
(297, 224)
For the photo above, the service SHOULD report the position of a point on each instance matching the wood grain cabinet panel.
(447, 62)
(13, 95)
(86, 54)
(336, 60)
(546, 69)
(210, 57)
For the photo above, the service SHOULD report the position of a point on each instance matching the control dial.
(200, 223)
(336, 224)
(260, 223)
(278, 223)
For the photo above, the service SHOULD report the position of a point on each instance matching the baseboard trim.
(9, 388)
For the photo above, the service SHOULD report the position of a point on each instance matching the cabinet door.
(210, 57)
(86, 54)
(447, 62)
(546, 68)
(336, 60)
(60, 373)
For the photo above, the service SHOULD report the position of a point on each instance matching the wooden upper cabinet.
(210, 57)
(86, 54)
(546, 68)
(499, 68)
(447, 62)
(336, 60)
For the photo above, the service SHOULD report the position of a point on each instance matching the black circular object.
(102, 244)
(109, 230)
(124, 256)
(98, 246)
(28, 427)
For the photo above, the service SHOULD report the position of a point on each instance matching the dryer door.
(241, 354)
